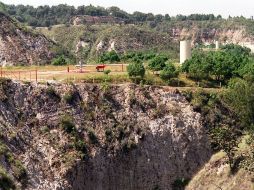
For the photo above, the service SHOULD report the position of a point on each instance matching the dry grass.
(216, 174)
(51, 72)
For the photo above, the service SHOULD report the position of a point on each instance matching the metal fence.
(58, 73)
(31, 75)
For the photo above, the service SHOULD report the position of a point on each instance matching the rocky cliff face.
(18, 46)
(87, 136)
(208, 32)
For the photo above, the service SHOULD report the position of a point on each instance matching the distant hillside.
(100, 29)
(20, 46)
(97, 39)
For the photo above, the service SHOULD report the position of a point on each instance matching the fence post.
(68, 69)
(36, 76)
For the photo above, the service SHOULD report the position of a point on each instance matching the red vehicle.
(100, 68)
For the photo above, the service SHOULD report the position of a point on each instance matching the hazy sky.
(223, 7)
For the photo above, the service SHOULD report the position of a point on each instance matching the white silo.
(217, 45)
(185, 50)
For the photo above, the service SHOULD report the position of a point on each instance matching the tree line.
(45, 16)
(231, 61)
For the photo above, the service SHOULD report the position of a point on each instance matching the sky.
(222, 7)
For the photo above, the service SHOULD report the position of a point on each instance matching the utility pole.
(82, 51)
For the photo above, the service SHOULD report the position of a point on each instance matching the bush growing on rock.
(69, 97)
(5, 180)
(92, 137)
(128, 145)
(227, 139)
(51, 92)
(67, 124)
(80, 145)
(109, 135)
(180, 183)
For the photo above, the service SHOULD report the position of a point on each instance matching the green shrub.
(128, 145)
(59, 61)
(19, 171)
(80, 145)
(92, 137)
(6, 183)
(111, 57)
(67, 124)
(109, 135)
(168, 72)
(121, 132)
(157, 63)
(180, 183)
(69, 97)
(106, 72)
(50, 91)
(136, 70)
(45, 129)
(227, 139)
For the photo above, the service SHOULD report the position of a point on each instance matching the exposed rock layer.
(156, 137)
(18, 46)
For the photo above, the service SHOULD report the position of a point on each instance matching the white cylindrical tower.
(185, 50)
(217, 45)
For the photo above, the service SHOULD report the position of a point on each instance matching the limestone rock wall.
(155, 136)
(21, 47)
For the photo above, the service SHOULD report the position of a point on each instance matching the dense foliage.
(168, 72)
(111, 57)
(222, 65)
(157, 63)
(240, 99)
(61, 14)
(136, 70)
(59, 61)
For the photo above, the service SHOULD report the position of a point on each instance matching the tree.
(223, 65)
(111, 56)
(139, 17)
(239, 98)
(157, 63)
(59, 61)
(247, 70)
(136, 70)
(167, 17)
(2, 7)
(199, 66)
(227, 140)
(168, 72)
